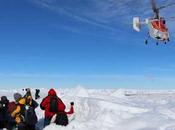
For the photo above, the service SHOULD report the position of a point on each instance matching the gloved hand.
(72, 103)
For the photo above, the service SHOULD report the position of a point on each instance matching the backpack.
(30, 116)
(11, 107)
(54, 104)
(62, 119)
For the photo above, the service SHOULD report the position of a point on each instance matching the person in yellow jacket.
(19, 112)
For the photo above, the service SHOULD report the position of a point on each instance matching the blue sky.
(58, 43)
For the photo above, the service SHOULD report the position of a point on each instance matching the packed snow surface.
(113, 109)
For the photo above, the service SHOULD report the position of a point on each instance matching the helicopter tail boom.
(137, 23)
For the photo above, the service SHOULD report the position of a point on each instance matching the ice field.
(113, 109)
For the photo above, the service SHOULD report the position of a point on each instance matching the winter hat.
(4, 99)
(17, 96)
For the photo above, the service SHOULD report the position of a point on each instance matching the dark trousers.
(3, 124)
(7, 122)
(21, 126)
(11, 125)
(30, 127)
(47, 121)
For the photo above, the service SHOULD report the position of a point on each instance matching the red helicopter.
(157, 27)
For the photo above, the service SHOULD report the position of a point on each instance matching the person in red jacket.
(52, 105)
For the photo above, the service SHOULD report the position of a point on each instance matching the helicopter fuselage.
(158, 29)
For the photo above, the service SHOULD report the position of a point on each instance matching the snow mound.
(120, 93)
(79, 92)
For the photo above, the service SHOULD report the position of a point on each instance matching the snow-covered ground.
(111, 109)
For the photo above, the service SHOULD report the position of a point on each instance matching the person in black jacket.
(37, 96)
(4, 112)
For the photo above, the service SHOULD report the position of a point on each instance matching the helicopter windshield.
(159, 24)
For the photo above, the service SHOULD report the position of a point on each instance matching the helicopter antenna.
(155, 9)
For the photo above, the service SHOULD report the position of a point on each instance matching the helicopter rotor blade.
(170, 18)
(164, 6)
(153, 4)
(154, 8)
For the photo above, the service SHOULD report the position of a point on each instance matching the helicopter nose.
(165, 37)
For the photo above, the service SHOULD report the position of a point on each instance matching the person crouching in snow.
(53, 105)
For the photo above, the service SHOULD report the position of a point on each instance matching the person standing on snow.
(30, 116)
(53, 105)
(19, 113)
(37, 96)
(25, 118)
(4, 112)
(6, 121)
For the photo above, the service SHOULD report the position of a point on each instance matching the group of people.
(20, 114)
